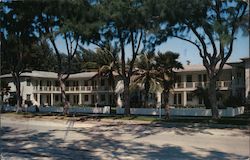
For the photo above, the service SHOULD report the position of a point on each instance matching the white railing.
(72, 88)
(193, 85)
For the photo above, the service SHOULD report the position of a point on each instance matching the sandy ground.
(50, 138)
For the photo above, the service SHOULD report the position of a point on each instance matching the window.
(179, 98)
(93, 83)
(28, 97)
(200, 100)
(56, 97)
(86, 98)
(111, 100)
(238, 74)
(199, 78)
(75, 83)
(76, 99)
(48, 83)
(67, 97)
(103, 99)
(189, 78)
(204, 78)
(57, 84)
(85, 83)
(189, 97)
(67, 83)
(35, 97)
(36, 83)
(102, 82)
(93, 99)
(28, 82)
(178, 78)
(175, 98)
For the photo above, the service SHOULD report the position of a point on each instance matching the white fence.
(94, 110)
(228, 112)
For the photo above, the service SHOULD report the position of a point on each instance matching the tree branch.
(196, 45)
(140, 39)
(134, 54)
(199, 37)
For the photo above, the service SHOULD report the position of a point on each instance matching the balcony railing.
(73, 88)
(193, 85)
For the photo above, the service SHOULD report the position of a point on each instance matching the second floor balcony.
(72, 88)
(223, 85)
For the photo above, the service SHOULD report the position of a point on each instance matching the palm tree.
(105, 60)
(146, 74)
(108, 62)
(165, 63)
(201, 92)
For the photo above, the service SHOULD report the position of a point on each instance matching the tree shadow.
(97, 144)
(36, 145)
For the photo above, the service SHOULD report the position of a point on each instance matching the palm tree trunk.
(146, 100)
(114, 94)
(147, 87)
(166, 104)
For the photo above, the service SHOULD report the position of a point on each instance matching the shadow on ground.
(97, 144)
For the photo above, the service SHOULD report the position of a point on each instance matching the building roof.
(45, 74)
(83, 75)
(53, 75)
(198, 67)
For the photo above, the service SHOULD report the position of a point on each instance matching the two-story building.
(231, 82)
(82, 89)
(43, 88)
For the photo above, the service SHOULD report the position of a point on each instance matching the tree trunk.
(18, 92)
(18, 95)
(63, 94)
(213, 99)
(126, 97)
(166, 105)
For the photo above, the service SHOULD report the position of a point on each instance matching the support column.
(38, 86)
(119, 101)
(52, 99)
(184, 98)
(97, 98)
(80, 99)
(158, 99)
(158, 103)
(38, 99)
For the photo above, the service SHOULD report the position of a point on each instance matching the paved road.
(25, 138)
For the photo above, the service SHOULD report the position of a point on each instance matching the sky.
(187, 51)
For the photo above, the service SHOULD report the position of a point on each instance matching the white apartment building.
(231, 82)
(42, 87)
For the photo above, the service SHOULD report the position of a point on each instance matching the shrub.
(233, 101)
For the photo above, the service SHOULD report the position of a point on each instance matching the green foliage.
(166, 62)
(201, 92)
(156, 73)
(233, 101)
